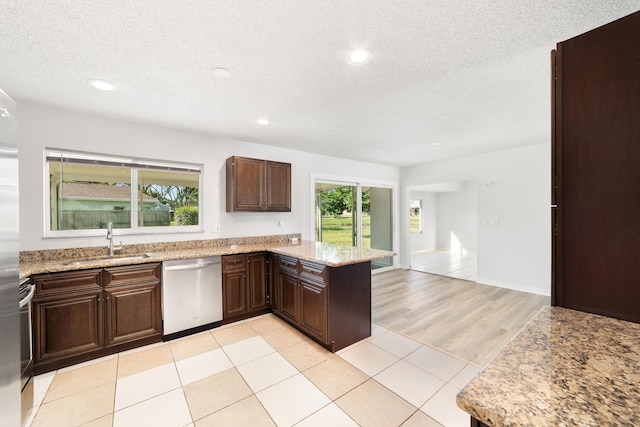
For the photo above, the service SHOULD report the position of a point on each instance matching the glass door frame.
(359, 183)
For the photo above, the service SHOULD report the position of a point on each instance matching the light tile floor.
(258, 372)
(451, 264)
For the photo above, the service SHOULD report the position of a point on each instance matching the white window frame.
(134, 164)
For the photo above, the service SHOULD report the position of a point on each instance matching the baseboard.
(515, 286)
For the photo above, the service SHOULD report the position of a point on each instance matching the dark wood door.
(289, 295)
(257, 281)
(245, 184)
(234, 291)
(313, 311)
(596, 164)
(132, 312)
(278, 187)
(67, 324)
(274, 273)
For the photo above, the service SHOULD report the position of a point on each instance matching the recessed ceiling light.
(263, 121)
(102, 85)
(359, 56)
(223, 73)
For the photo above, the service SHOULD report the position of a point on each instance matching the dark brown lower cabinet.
(289, 295)
(67, 325)
(132, 313)
(81, 315)
(244, 285)
(332, 305)
(477, 423)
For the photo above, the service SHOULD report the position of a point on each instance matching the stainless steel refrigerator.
(10, 402)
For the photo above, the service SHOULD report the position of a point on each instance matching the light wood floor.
(470, 321)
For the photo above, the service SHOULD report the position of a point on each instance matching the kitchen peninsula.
(565, 367)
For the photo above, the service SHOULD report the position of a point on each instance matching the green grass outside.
(338, 230)
(414, 223)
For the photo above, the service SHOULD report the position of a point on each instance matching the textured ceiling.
(448, 78)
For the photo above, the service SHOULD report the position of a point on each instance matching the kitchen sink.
(117, 258)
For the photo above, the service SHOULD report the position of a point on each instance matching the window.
(415, 216)
(86, 191)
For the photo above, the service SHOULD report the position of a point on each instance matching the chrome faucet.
(112, 249)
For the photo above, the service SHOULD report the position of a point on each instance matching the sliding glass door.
(353, 214)
(379, 226)
(336, 213)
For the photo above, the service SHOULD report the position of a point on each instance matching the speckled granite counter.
(330, 254)
(55, 260)
(565, 368)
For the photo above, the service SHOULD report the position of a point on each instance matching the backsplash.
(97, 251)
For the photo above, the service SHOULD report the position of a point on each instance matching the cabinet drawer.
(128, 275)
(288, 262)
(289, 265)
(72, 281)
(234, 262)
(313, 272)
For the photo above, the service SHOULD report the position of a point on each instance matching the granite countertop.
(565, 368)
(330, 254)
(50, 261)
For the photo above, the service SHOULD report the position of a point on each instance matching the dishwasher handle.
(190, 266)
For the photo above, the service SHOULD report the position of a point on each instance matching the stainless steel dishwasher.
(191, 296)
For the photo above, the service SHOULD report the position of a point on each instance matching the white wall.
(425, 241)
(457, 214)
(514, 194)
(42, 126)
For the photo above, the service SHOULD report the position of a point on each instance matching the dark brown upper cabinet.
(256, 185)
(596, 171)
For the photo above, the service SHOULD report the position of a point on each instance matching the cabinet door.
(596, 178)
(67, 324)
(289, 295)
(234, 291)
(133, 312)
(273, 267)
(278, 187)
(313, 312)
(257, 281)
(245, 187)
